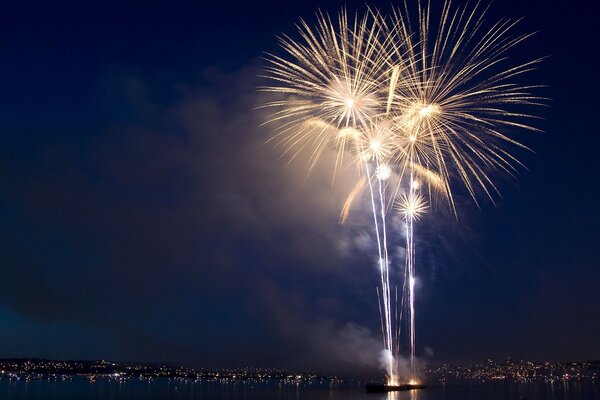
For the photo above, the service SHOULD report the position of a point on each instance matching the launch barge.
(383, 388)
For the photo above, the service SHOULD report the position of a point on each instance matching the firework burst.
(334, 78)
(411, 207)
(426, 103)
(460, 95)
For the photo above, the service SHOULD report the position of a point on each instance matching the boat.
(383, 388)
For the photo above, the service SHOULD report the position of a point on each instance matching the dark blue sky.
(142, 218)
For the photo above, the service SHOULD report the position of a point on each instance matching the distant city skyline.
(486, 371)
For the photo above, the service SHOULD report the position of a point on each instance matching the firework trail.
(334, 88)
(428, 107)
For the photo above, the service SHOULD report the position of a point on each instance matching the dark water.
(159, 389)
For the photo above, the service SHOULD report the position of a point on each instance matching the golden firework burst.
(411, 207)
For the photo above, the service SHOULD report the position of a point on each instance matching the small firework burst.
(411, 207)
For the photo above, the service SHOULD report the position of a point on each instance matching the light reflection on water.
(163, 389)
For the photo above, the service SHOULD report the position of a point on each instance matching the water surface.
(159, 389)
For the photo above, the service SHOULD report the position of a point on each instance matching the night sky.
(143, 217)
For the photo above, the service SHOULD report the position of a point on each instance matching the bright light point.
(364, 156)
(412, 138)
(412, 281)
(413, 382)
(415, 184)
(416, 112)
(383, 172)
(428, 110)
(346, 101)
(375, 145)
